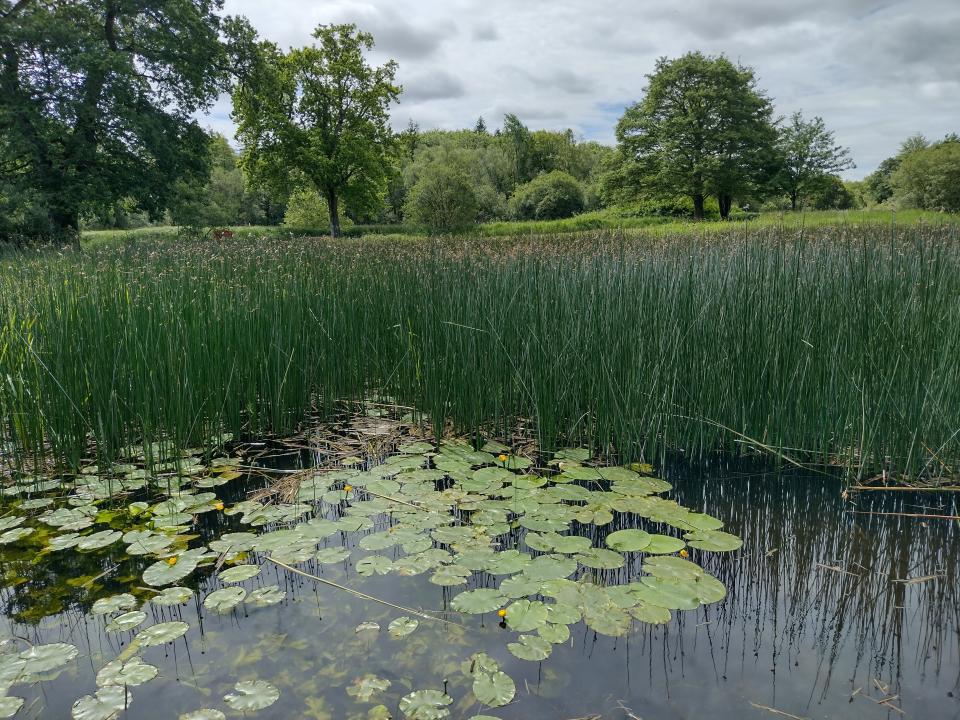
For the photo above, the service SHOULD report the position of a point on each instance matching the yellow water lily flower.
(347, 488)
(501, 457)
(684, 554)
(502, 612)
(172, 560)
(218, 506)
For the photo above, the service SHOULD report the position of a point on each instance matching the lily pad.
(331, 556)
(43, 658)
(425, 705)
(126, 621)
(663, 545)
(450, 575)
(239, 573)
(252, 695)
(600, 559)
(114, 603)
(364, 688)
(162, 633)
(628, 540)
(15, 535)
(493, 689)
(524, 615)
(265, 596)
(9, 705)
(225, 599)
(130, 673)
(531, 647)
(105, 705)
(374, 565)
(172, 596)
(714, 541)
(475, 602)
(402, 626)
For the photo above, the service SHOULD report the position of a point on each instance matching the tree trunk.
(66, 223)
(793, 200)
(698, 207)
(726, 202)
(334, 208)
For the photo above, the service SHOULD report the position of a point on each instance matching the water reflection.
(832, 611)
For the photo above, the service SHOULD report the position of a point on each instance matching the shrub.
(551, 196)
(442, 200)
(307, 210)
(930, 178)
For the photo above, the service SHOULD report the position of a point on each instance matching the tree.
(929, 178)
(878, 182)
(442, 199)
(808, 153)
(97, 99)
(519, 142)
(481, 127)
(701, 128)
(549, 196)
(320, 113)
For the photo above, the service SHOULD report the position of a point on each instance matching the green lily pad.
(225, 599)
(126, 621)
(550, 567)
(672, 568)
(628, 540)
(265, 596)
(478, 601)
(670, 594)
(43, 658)
(649, 613)
(663, 545)
(531, 647)
(450, 575)
(425, 705)
(402, 626)
(713, 541)
(252, 695)
(15, 535)
(493, 689)
(600, 559)
(239, 573)
(130, 673)
(606, 619)
(163, 573)
(367, 627)
(105, 705)
(172, 596)
(364, 688)
(114, 603)
(9, 705)
(524, 615)
(331, 555)
(162, 633)
(374, 565)
(554, 633)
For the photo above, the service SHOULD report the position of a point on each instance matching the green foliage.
(97, 103)
(319, 114)
(828, 192)
(306, 210)
(702, 128)
(808, 156)
(551, 196)
(443, 200)
(929, 178)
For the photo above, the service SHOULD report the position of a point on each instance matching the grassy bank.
(835, 343)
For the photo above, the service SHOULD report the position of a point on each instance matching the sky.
(877, 71)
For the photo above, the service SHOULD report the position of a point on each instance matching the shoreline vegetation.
(813, 343)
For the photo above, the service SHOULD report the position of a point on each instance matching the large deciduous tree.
(702, 128)
(97, 98)
(808, 155)
(319, 114)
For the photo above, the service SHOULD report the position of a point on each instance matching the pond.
(836, 605)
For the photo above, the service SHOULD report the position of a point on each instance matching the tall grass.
(837, 344)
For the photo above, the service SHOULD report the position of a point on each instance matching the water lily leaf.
(364, 688)
(9, 705)
(550, 567)
(378, 541)
(204, 714)
(64, 542)
(531, 647)
(416, 448)
(628, 540)
(450, 575)
(425, 705)
(569, 544)
(663, 545)
(524, 615)
(331, 556)
(162, 633)
(43, 658)
(225, 599)
(519, 586)
(126, 621)
(235, 542)
(239, 573)
(563, 613)
(709, 589)
(251, 695)
(114, 603)
(147, 542)
(493, 689)
(402, 626)
(105, 705)
(714, 541)
(11, 521)
(554, 633)
(163, 573)
(672, 568)
(649, 613)
(130, 673)
(670, 594)
(478, 601)
(479, 663)
(606, 619)
(600, 559)
(575, 454)
(172, 596)
(265, 596)
(15, 535)
(375, 564)
(508, 562)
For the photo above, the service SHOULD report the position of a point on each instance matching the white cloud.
(876, 71)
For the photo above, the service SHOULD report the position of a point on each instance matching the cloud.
(877, 71)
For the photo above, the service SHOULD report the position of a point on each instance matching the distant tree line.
(97, 129)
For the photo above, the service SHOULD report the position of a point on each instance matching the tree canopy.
(96, 103)
(703, 127)
(808, 153)
(319, 115)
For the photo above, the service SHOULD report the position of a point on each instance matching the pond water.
(834, 609)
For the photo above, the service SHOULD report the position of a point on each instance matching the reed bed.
(835, 345)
